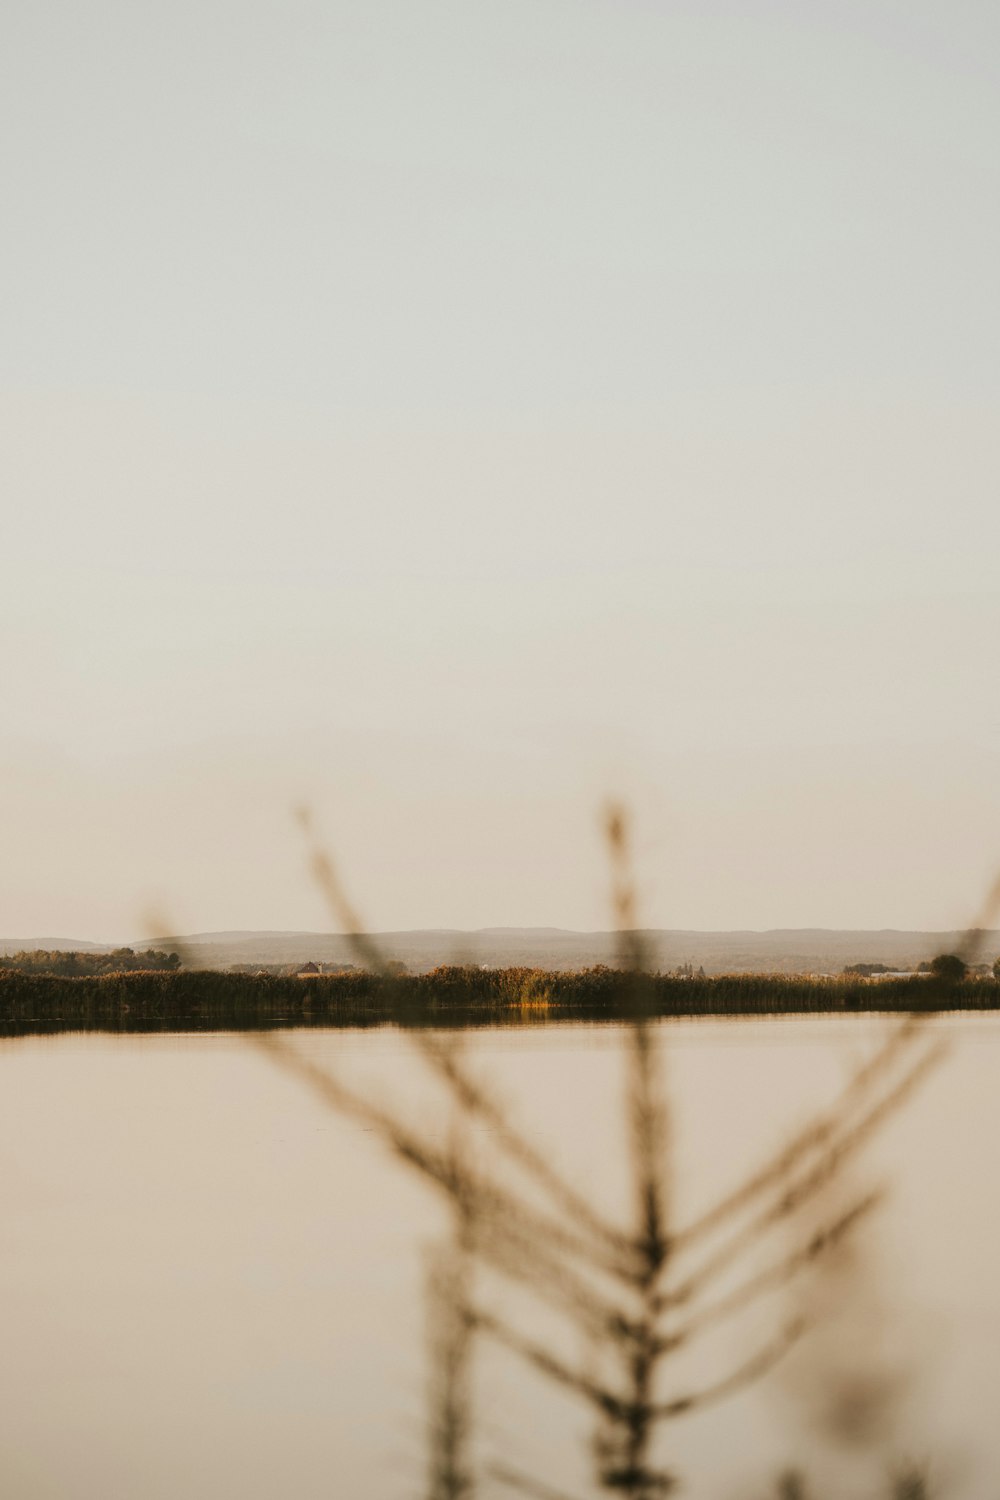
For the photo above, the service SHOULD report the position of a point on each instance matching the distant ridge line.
(788, 950)
(585, 932)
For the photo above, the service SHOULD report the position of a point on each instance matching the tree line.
(118, 961)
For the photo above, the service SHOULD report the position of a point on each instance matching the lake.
(212, 1283)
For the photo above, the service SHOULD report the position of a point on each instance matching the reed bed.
(207, 1000)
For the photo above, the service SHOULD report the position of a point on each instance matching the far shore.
(454, 996)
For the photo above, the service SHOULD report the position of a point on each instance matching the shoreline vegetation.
(455, 996)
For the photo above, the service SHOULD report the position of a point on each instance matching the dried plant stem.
(623, 1289)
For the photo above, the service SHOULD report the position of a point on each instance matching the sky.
(451, 415)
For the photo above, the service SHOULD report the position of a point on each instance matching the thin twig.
(501, 1207)
(473, 1096)
(812, 1139)
(793, 1196)
(744, 1374)
(778, 1275)
(535, 1354)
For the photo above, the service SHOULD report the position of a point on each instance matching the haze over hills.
(781, 950)
(54, 945)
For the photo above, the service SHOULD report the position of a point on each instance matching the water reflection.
(639, 1293)
(214, 1285)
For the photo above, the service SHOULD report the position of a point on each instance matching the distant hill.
(782, 950)
(53, 945)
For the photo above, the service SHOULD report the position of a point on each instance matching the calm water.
(212, 1284)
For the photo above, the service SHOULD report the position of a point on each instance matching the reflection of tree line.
(635, 1295)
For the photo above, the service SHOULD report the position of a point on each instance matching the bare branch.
(813, 1138)
(818, 1244)
(648, 1140)
(474, 1098)
(606, 1401)
(647, 1109)
(535, 1234)
(552, 1280)
(744, 1374)
(797, 1193)
(470, 1095)
(322, 869)
(449, 1383)
(973, 940)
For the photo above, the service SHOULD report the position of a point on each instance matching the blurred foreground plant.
(635, 1293)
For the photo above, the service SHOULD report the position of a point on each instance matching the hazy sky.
(448, 412)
